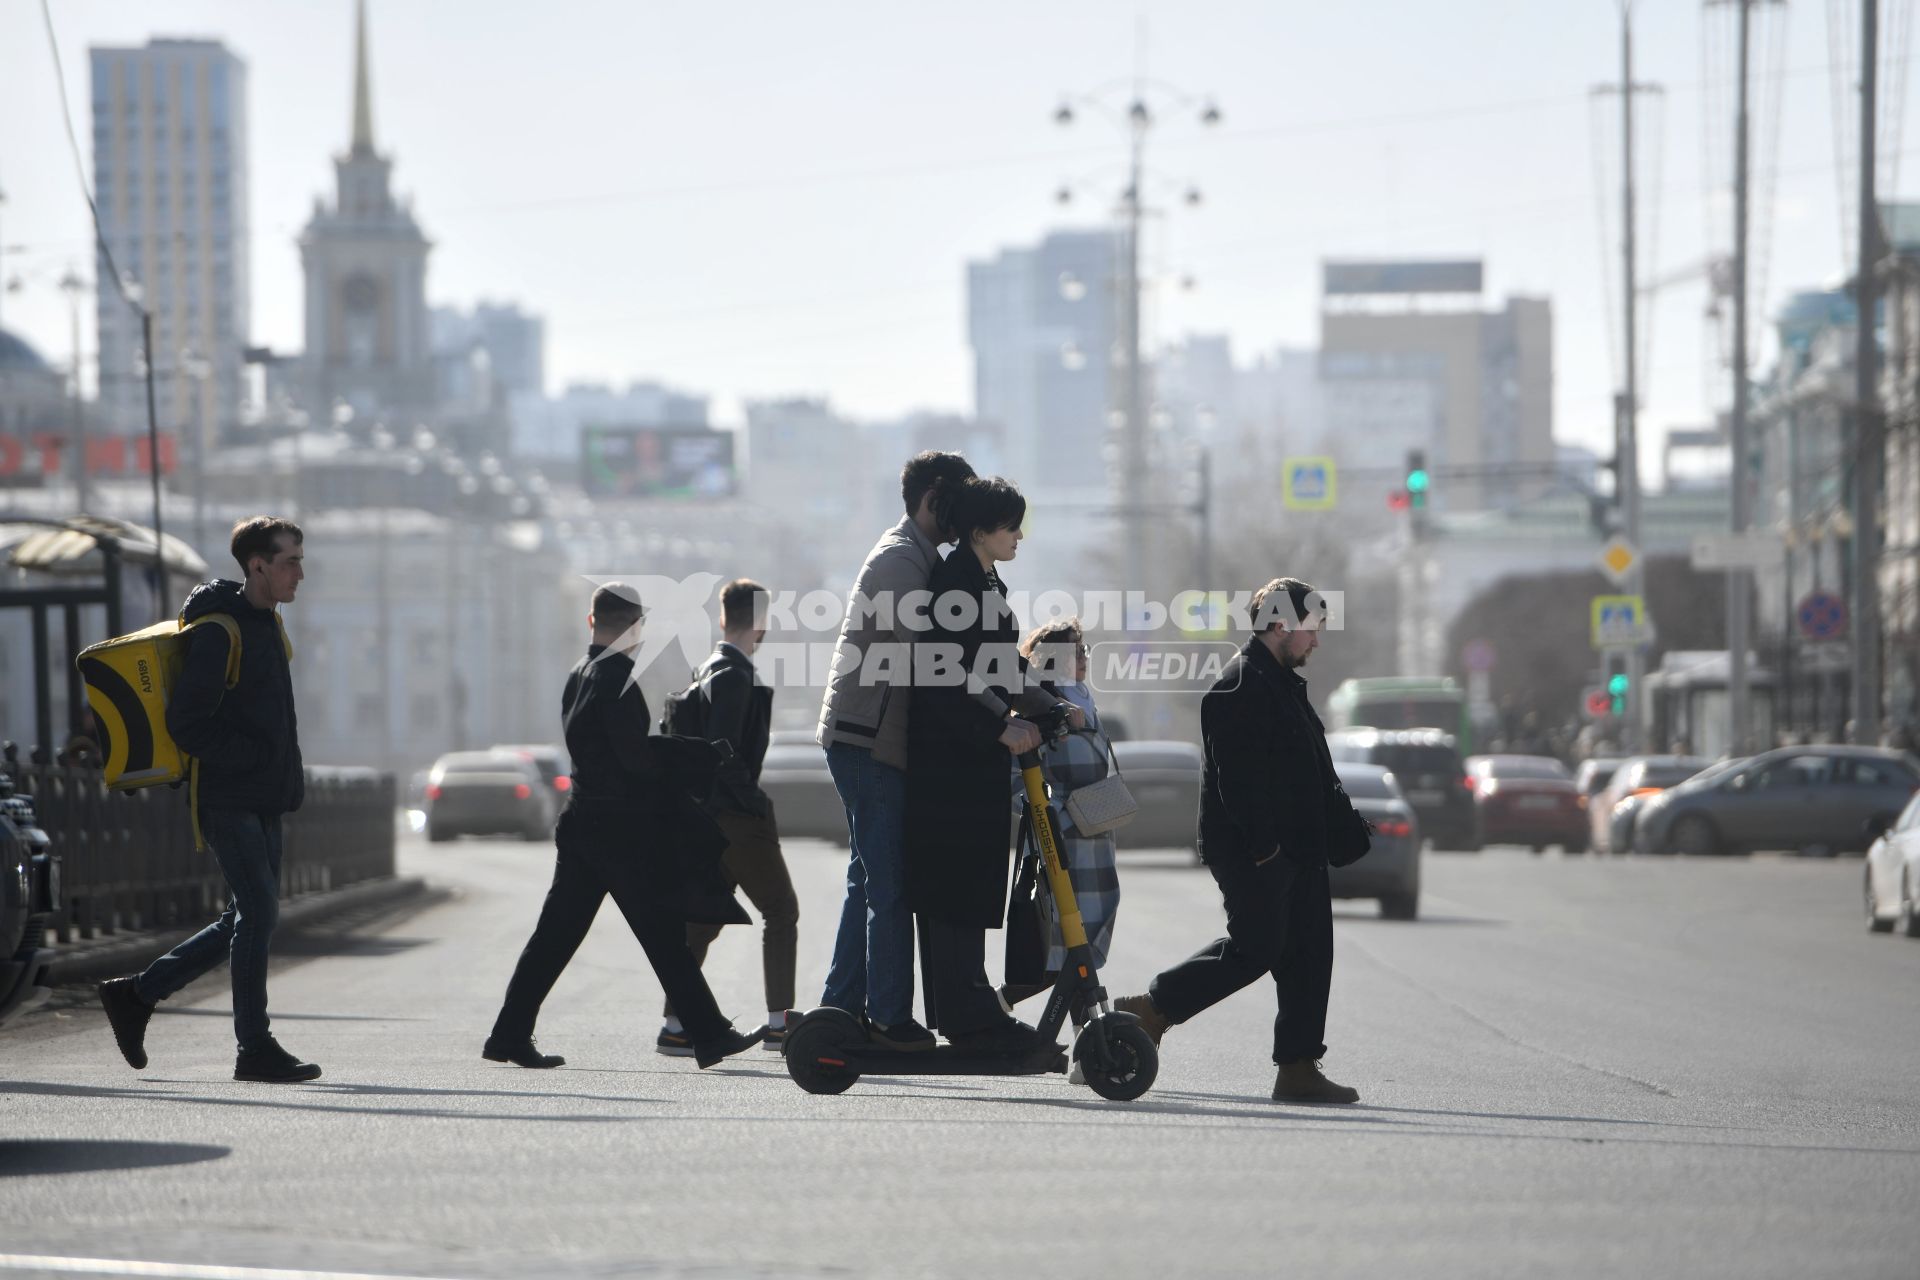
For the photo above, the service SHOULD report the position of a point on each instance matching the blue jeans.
(872, 966)
(247, 846)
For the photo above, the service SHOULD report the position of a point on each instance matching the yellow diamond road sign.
(1617, 559)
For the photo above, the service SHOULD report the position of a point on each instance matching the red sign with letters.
(44, 453)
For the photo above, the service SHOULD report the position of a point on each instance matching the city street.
(1568, 1067)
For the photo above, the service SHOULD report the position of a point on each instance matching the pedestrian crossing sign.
(1619, 622)
(1307, 484)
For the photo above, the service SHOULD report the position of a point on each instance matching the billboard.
(657, 462)
(1462, 276)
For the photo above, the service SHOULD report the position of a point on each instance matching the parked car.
(29, 892)
(553, 764)
(1893, 874)
(1427, 766)
(1528, 800)
(805, 803)
(1593, 774)
(1164, 779)
(486, 793)
(1391, 870)
(1819, 797)
(794, 738)
(1610, 816)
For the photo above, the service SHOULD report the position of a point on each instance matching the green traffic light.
(1617, 685)
(1416, 481)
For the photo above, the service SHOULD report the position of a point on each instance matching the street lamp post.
(72, 286)
(1137, 119)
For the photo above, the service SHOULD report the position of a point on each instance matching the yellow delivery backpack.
(130, 681)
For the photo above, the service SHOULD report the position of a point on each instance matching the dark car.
(29, 890)
(553, 765)
(486, 793)
(1163, 777)
(805, 804)
(1427, 766)
(1821, 797)
(1391, 870)
(1530, 800)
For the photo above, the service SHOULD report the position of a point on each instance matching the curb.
(100, 958)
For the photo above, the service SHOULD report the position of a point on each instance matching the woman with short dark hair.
(969, 680)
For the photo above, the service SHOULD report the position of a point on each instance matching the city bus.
(1401, 702)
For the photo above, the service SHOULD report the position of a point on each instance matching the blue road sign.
(1308, 483)
(1822, 616)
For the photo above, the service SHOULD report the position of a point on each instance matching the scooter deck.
(945, 1060)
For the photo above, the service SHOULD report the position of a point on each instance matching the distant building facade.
(1043, 323)
(170, 181)
(1411, 358)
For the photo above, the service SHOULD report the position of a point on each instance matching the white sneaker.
(1075, 1075)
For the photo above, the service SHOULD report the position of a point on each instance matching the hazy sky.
(754, 199)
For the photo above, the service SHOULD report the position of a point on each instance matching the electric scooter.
(829, 1049)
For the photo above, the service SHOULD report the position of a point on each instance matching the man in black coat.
(1272, 817)
(245, 744)
(631, 829)
(739, 713)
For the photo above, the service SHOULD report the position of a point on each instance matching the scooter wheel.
(1135, 1061)
(818, 1051)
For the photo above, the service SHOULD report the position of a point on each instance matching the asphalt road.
(1569, 1067)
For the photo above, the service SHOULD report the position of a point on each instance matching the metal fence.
(128, 861)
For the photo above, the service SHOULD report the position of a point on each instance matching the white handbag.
(1102, 807)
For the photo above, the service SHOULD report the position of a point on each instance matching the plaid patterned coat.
(1075, 761)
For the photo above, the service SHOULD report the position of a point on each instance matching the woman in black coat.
(969, 679)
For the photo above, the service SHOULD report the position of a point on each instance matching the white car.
(1893, 875)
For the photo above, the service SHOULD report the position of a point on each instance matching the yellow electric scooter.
(828, 1049)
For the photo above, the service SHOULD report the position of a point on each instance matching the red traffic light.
(1599, 702)
(1399, 500)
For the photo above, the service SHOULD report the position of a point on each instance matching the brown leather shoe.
(1152, 1021)
(1302, 1082)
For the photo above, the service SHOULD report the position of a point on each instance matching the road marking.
(179, 1270)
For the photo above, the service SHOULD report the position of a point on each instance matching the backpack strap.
(227, 623)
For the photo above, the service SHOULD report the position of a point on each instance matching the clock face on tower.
(361, 292)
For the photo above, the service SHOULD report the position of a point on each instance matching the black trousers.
(953, 964)
(582, 879)
(1279, 922)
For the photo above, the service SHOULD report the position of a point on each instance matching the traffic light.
(1399, 500)
(1617, 690)
(1418, 481)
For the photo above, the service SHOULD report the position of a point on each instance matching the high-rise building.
(515, 343)
(1412, 358)
(170, 181)
(368, 332)
(1044, 326)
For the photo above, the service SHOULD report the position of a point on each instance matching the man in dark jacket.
(1272, 817)
(632, 830)
(245, 743)
(739, 713)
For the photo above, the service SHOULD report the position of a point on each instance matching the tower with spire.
(368, 336)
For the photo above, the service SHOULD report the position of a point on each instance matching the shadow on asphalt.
(21, 1157)
(1427, 1111)
(299, 1098)
(332, 944)
(1358, 917)
(278, 1016)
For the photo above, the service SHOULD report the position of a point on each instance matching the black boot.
(270, 1064)
(523, 1054)
(708, 1052)
(127, 1014)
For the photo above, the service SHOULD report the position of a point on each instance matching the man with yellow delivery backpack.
(236, 722)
